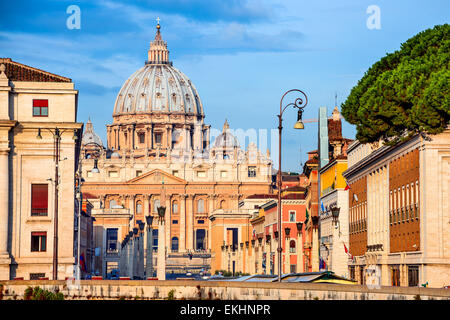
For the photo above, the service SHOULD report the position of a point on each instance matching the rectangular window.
(352, 272)
(292, 216)
(38, 241)
(39, 199)
(141, 138)
(113, 174)
(40, 108)
(201, 174)
(138, 173)
(175, 173)
(223, 174)
(174, 221)
(251, 172)
(111, 240)
(90, 174)
(395, 276)
(36, 276)
(158, 138)
(293, 268)
(200, 221)
(413, 276)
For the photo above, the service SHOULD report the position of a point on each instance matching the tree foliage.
(406, 92)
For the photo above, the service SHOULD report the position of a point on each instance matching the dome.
(158, 87)
(226, 139)
(89, 136)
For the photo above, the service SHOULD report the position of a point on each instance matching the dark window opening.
(111, 240)
(413, 276)
(38, 241)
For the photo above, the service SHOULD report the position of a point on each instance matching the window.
(156, 205)
(175, 244)
(39, 199)
(395, 276)
(111, 240)
(223, 174)
(201, 174)
(36, 276)
(40, 108)
(292, 246)
(112, 204)
(413, 276)
(158, 138)
(201, 221)
(251, 172)
(141, 138)
(352, 272)
(113, 174)
(293, 268)
(155, 239)
(201, 206)
(138, 173)
(175, 173)
(292, 216)
(38, 241)
(139, 207)
(175, 207)
(222, 204)
(90, 174)
(174, 221)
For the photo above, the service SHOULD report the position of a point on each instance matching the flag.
(322, 207)
(347, 187)
(347, 252)
(254, 234)
(322, 264)
(307, 215)
(82, 262)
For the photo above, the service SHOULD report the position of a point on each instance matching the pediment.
(156, 176)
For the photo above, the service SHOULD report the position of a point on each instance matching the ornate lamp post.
(141, 249)
(130, 255)
(57, 133)
(149, 262)
(299, 103)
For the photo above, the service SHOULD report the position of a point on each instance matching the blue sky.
(241, 55)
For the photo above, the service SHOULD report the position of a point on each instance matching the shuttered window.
(39, 199)
(40, 108)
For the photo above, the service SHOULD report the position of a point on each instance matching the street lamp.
(335, 214)
(299, 103)
(57, 133)
(80, 198)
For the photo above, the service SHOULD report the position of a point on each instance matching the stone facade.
(34, 103)
(399, 211)
(158, 136)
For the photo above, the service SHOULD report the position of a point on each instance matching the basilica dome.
(158, 87)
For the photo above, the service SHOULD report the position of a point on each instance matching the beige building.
(399, 211)
(158, 135)
(33, 103)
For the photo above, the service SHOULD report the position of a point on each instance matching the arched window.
(139, 207)
(175, 244)
(112, 204)
(222, 204)
(175, 207)
(292, 246)
(200, 206)
(156, 205)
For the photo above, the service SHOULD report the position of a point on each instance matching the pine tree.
(406, 92)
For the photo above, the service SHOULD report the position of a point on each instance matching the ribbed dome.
(158, 88)
(226, 139)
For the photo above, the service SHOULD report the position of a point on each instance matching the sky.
(241, 55)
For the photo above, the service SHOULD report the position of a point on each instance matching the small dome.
(226, 139)
(89, 136)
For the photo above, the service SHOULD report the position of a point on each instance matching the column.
(189, 225)
(4, 207)
(161, 265)
(168, 218)
(315, 249)
(300, 264)
(132, 206)
(183, 223)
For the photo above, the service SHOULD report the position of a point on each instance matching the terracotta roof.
(295, 188)
(275, 196)
(16, 71)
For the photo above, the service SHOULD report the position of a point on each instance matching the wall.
(223, 290)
